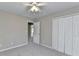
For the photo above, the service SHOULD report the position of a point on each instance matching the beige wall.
(46, 31)
(46, 24)
(13, 30)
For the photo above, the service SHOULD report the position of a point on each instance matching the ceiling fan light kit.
(35, 6)
(34, 9)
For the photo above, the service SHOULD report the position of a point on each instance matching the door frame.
(29, 21)
(39, 33)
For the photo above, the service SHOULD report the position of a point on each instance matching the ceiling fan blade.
(28, 4)
(34, 3)
(41, 4)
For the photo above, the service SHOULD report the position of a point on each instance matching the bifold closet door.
(61, 35)
(68, 35)
(76, 35)
(55, 34)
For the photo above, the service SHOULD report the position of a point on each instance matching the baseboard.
(45, 46)
(13, 47)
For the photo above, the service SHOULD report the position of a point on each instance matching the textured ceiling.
(50, 7)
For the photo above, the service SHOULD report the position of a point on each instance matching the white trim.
(53, 49)
(46, 46)
(13, 47)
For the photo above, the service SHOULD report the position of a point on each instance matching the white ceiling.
(50, 7)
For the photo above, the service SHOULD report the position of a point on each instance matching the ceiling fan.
(35, 6)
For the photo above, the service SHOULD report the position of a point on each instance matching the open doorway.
(30, 31)
(34, 32)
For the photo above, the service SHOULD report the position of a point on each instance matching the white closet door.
(61, 35)
(55, 34)
(68, 35)
(76, 35)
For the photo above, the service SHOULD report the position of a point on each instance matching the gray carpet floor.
(31, 49)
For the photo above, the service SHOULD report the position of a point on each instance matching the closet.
(68, 35)
(61, 35)
(55, 34)
(65, 34)
(76, 35)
